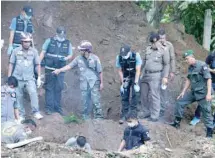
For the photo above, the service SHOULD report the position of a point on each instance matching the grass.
(71, 119)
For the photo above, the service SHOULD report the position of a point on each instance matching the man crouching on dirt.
(79, 143)
(199, 79)
(11, 132)
(135, 134)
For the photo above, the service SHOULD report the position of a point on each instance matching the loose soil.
(107, 25)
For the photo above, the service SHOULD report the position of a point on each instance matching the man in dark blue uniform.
(19, 24)
(56, 51)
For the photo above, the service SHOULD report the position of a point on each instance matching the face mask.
(28, 132)
(127, 56)
(27, 17)
(10, 90)
(60, 37)
(132, 124)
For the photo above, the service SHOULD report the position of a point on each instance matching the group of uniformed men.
(144, 78)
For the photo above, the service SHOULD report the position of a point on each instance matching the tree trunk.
(207, 30)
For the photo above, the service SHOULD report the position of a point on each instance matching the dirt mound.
(105, 136)
(107, 25)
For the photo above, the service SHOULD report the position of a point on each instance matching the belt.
(50, 68)
(149, 72)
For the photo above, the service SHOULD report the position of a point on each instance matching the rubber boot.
(209, 133)
(176, 123)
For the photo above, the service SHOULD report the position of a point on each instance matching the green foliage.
(193, 18)
(145, 5)
(191, 14)
(71, 119)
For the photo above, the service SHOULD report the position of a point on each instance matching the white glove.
(39, 82)
(136, 88)
(18, 121)
(122, 90)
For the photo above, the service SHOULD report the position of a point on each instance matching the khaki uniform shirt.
(8, 104)
(24, 63)
(171, 52)
(156, 60)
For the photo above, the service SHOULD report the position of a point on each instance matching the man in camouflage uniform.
(170, 50)
(23, 61)
(199, 79)
(91, 78)
(155, 67)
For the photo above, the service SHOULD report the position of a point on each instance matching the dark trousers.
(198, 109)
(198, 113)
(126, 105)
(54, 85)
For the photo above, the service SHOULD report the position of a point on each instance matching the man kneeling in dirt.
(77, 143)
(135, 134)
(11, 132)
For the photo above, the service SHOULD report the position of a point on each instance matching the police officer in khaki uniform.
(155, 67)
(199, 79)
(9, 109)
(23, 62)
(170, 50)
(91, 78)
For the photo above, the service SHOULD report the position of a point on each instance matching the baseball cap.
(124, 50)
(28, 10)
(61, 30)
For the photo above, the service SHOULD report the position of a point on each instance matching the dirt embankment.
(107, 25)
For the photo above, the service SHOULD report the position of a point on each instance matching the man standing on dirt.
(129, 66)
(91, 79)
(210, 60)
(199, 79)
(170, 50)
(56, 52)
(19, 24)
(23, 61)
(155, 68)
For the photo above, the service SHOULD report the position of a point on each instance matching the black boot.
(176, 123)
(209, 133)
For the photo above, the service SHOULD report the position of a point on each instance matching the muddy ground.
(107, 25)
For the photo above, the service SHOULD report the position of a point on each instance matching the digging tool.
(19, 144)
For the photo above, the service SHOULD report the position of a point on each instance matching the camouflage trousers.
(91, 94)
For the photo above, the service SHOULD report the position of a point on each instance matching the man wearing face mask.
(19, 24)
(170, 50)
(129, 66)
(23, 62)
(135, 134)
(12, 132)
(9, 108)
(199, 81)
(155, 68)
(56, 51)
(91, 79)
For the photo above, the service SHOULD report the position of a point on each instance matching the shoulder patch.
(13, 95)
(205, 67)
